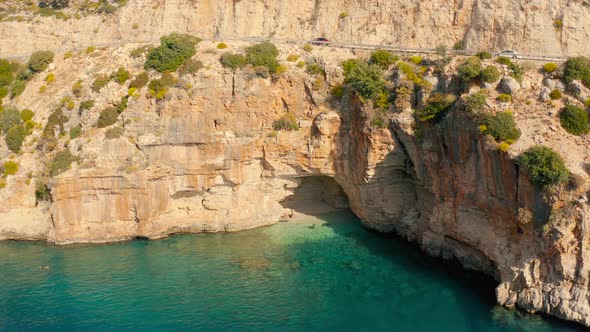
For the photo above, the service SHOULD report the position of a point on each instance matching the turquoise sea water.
(325, 274)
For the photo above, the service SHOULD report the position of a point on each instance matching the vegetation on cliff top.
(546, 167)
(574, 120)
(577, 68)
(173, 51)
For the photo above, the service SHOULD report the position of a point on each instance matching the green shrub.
(504, 98)
(174, 49)
(502, 127)
(587, 103)
(15, 138)
(516, 71)
(313, 68)
(476, 102)
(86, 105)
(77, 88)
(577, 68)
(263, 54)
(139, 81)
(190, 67)
(550, 67)
(29, 125)
(546, 167)
(42, 192)
(364, 79)
(470, 69)
(27, 115)
(436, 107)
(503, 60)
(292, 57)
(574, 120)
(100, 81)
(222, 46)
(504, 146)
(337, 91)
(415, 59)
(56, 119)
(555, 94)
(40, 60)
(18, 87)
(120, 76)
(9, 118)
(286, 122)
(558, 24)
(458, 45)
(75, 132)
(114, 133)
(307, 48)
(160, 86)
(233, 61)
(10, 168)
(122, 105)
(484, 55)
(383, 58)
(90, 49)
(68, 55)
(50, 78)
(107, 117)
(61, 162)
(490, 74)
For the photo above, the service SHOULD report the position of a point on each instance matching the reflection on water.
(321, 274)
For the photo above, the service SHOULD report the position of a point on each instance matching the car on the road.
(508, 54)
(320, 41)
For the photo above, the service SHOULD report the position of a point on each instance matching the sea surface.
(322, 273)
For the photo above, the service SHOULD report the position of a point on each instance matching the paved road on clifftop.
(352, 46)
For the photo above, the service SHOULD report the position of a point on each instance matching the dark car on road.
(320, 41)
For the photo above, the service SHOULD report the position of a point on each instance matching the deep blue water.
(312, 275)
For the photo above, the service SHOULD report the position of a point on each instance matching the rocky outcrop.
(529, 27)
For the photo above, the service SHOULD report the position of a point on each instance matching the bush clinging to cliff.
(490, 74)
(470, 69)
(365, 79)
(107, 117)
(577, 68)
(174, 49)
(436, 107)
(546, 167)
(40, 60)
(263, 54)
(15, 138)
(286, 122)
(574, 120)
(233, 61)
(61, 162)
(502, 127)
(383, 58)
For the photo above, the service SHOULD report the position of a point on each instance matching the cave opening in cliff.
(317, 195)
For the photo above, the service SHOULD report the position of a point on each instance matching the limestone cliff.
(557, 27)
(206, 157)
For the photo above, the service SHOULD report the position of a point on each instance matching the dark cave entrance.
(316, 195)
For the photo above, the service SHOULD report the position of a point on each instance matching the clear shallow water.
(313, 275)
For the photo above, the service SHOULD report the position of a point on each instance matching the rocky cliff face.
(206, 158)
(558, 27)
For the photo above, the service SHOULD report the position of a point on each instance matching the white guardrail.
(353, 46)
